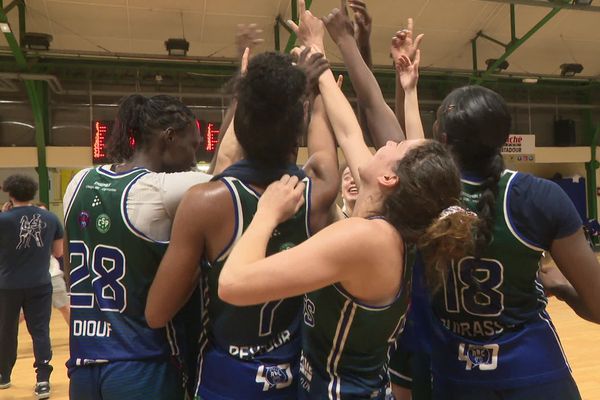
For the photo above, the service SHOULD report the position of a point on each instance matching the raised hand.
(245, 57)
(338, 24)
(281, 200)
(403, 43)
(311, 31)
(247, 36)
(363, 21)
(408, 71)
(313, 64)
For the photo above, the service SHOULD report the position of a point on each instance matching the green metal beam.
(22, 24)
(513, 24)
(491, 39)
(39, 105)
(516, 44)
(565, 4)
(11, 5)
(474, 50)
(276, 38)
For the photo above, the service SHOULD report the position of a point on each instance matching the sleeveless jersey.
(251, 352)
(112, 267)
(490, 324)
(347, 345)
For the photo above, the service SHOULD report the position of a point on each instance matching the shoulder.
(367, 236)
(529, 190)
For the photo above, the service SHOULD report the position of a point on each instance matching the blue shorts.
(564, 389)
(223, 377)
(131, 380)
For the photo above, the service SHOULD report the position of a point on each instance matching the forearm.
(381, 120)
(320, 136)
(344, 123)
(569, 295)
(414, 126)
(399, 106)
(227, 151)
(251, 247)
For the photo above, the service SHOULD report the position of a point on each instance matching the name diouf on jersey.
(91, 328)
(248, 352)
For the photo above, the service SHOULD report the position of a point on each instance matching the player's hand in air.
(362, 21)
(244, 64)
(313, 64)
(338, 24)
(409, 71)
(311, 31)
(247, 36)
(281, 200)
(6, 206)
(403, 43)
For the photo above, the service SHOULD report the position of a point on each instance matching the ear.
(388, 181)
(168, 134)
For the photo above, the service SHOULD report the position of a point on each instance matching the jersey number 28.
(108, 268)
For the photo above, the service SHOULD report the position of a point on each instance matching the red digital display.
(211, 137)
(100, 132)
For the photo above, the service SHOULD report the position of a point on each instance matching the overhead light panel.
(37, 41)
(501, 67)
(570, 70)
(5, 27)
(582, 2)
(530, 81)
(177, 47)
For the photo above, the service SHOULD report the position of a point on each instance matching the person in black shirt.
(28, 236)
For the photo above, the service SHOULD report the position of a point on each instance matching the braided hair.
(477, 122)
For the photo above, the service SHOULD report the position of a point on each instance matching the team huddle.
(246, 283)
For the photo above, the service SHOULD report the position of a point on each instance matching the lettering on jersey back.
(309, 312)
(249, 352)
(91, 328)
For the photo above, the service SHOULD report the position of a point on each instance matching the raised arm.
(409, 77)
(381, 119)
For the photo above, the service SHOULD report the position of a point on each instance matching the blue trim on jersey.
(509, 218)
(236, 222)
(126, 219)
(75, 194)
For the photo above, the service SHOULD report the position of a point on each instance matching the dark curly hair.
(269, 117)
(20, 187)
(477, 122)
(139, 117)
(429, 183)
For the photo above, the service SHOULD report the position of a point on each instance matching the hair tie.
(453, 210)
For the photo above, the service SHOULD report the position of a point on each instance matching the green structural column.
(38, 96)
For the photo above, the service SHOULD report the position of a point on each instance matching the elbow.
(228, 293)
(153, 318)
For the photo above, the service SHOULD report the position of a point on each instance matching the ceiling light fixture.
(5, 27)
(501, 67)
(37, 41)
(570, 70)
(530, 81)
(177, 47)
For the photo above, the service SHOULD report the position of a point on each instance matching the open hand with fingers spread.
(403, 43)
(281, 200)
(247, 36)
(408, 71)
(310, 30)
(338, 24)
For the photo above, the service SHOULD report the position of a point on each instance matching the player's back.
(112, 267)
(347, 344)
(258, 346)
(490, 325)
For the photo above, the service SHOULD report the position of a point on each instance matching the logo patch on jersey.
(96, 202)
(286, 246)
(103, 223)
(309, 312)
(274, 376)
(483, 357)
(83, 219)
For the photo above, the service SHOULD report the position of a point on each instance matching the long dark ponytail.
(477, 123)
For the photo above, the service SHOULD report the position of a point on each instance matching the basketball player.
(118, 220)
(250, 352)
(357, 294)
(493, 337)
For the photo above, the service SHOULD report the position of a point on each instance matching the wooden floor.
(580, 339)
